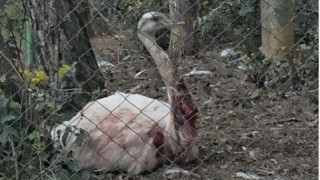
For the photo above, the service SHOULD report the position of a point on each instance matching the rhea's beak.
(180, 23)
(169, 23)
(172, 23)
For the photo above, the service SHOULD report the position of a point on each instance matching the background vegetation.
(37, 93)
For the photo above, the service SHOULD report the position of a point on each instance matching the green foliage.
(38, 145)
(98, 93)
(32, 145)
(11, 21)
(218, 16)
(10, 112)
(233, 19)
(306, 17)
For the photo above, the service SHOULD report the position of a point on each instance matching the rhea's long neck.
(162, 60)
(182, 107)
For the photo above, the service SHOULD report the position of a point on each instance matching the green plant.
(10, 112)
(11, 27)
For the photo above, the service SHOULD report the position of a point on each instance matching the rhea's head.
(154, 21)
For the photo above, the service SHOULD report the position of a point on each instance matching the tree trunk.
(81, 52)
(278, 33)
(277, 29)
(61, 30)
(183, 39)
(191, 39)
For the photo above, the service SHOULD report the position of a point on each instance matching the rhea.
(132, 132)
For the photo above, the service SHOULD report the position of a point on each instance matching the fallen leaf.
(247, 175)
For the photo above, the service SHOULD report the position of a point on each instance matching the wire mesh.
(65, 117)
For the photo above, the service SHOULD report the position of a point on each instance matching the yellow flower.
(139, 3)
(130, 8)
(35, 81)
(63, 71)
(27, 75)
(44, 78)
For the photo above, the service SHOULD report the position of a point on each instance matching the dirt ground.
(240, 128)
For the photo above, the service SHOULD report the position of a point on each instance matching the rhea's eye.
(155, 18)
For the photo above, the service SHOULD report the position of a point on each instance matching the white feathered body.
(120, 133)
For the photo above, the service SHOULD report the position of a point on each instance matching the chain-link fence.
(95, 89)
